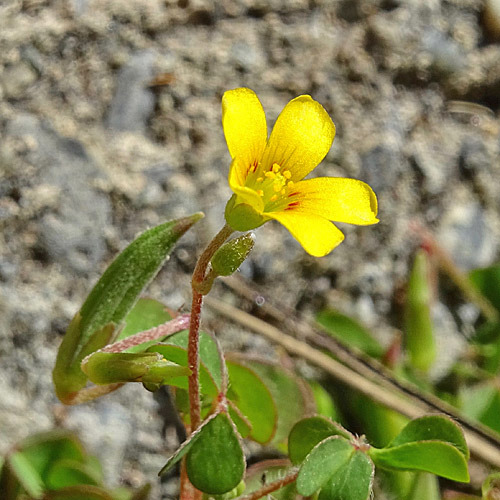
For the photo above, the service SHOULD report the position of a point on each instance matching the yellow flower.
(267, 176)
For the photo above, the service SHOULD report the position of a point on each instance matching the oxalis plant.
(117, 338)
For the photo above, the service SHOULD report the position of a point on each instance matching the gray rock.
(466, 234)
(447, 57)
(473, 158)
(133, 102)
(73, 232)
(380, 167)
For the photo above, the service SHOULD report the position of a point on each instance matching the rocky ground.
(110, 123)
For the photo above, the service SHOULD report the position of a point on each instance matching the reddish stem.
(200, 287)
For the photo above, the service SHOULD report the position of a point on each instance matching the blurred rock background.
(110, 124)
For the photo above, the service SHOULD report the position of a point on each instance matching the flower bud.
(232, 254)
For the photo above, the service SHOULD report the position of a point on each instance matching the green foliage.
(107, 305)
(419, 333)
(54, 465)
(349, 331)
(232, 254)
(431, 444)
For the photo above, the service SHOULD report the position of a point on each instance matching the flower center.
(274, 186)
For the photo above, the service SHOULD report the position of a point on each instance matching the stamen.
(260, 179)
(290, 184)
(283, 191)
(274, 197)
(260, 192)
(277, 186)
(276, 168)
(270, 175)
(287, 174)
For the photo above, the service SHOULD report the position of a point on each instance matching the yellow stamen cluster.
(272, 181)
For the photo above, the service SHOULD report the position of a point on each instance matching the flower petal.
(245, 194)
(337, 199)
(245, 129)
(316, 234)
(301, 137)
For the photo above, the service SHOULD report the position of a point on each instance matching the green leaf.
(487, 280)
(433, 427)
(111, 299)
(146, 314)
(324, 402)
(436, 457)
(26, 474)
(254, 400)
(215, 463)
(482, 402)
(149, 367)
(419, 332)
(186, 446)
(289, 394)
(68, 472)
(322, 462)
(307, 433)
(352, 481)
(349, 332)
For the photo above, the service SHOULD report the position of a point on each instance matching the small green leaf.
(253, 399)
(436, 457)
(322, 462)
(186, 446)
(349, 332)
(68, 472)
(419, 333)
(433, 427)
(324, 402)
(215, 463)
(26, 474)
(111, 299)
(146, 314)
(352, 481)
(307, 433)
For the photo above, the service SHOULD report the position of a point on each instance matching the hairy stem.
(199, 289)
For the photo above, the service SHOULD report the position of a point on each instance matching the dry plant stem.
(274, 486)
(199, 290)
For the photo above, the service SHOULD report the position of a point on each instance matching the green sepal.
(242, 217)
(150, 368)
(101, 317)
(229, 257)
